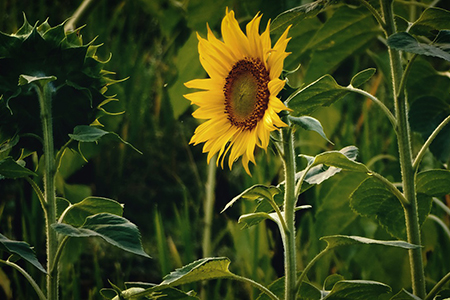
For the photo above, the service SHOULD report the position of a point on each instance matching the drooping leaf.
(89, 134)
(374, 200)
(9, 168)
(357, 290)
(255, 192)
(406, 42)
(345, 240)
(77, 213)
(433, 18)
(362, 77)
(21, 249)
(114, 229)
(310, 123)
(254, 218)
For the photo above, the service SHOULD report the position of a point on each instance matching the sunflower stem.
(288, 235)
(45, 101)
(405, 156)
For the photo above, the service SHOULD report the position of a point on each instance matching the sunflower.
(239, 99)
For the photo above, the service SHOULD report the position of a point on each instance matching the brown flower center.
(246, 93)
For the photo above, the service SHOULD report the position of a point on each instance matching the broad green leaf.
(406, 42)
(347, 32)
(77, 213)
(344, 240)
(21, 249)
(404, 295)
(425, 114)
(358, 290)
(322, 92)
(116, 230)
(40, 81)
(434, 183)
(362, 77)
(310, 123)
(432, 18)
(294, 16)
(9, 168)
(256, 192)
(202, 269)
(374, 200)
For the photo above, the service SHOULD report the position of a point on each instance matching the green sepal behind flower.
(78, 93)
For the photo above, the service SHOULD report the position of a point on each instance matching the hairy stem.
(45, 101)
(405, 157)
(289, 214)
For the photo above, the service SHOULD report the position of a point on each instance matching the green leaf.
(310, 123)
(344, 240)
(199, 270)
(40, 81)
(425, 114)
(322, 92)
(406, 42)
(254, 218)
(432, 18)
(21, 249)
(404, 295)
(77, 213)
(89, 134)
(294, 16)
(202, 269)
(362, 77)
(256, 192)
(116, 230)
(433, 183)
(347, 32)
(357, 290)
(9, 168)
(328, 164)
(331, 280)
(374, 200)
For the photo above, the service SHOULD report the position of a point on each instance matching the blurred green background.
(153, 44)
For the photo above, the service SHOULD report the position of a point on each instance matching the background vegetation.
(153, 45)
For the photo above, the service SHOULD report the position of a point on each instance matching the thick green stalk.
(289, 214)
(208, 207)
(405, 156)
(45, 101)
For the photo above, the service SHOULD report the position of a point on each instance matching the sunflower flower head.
(239, 99)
